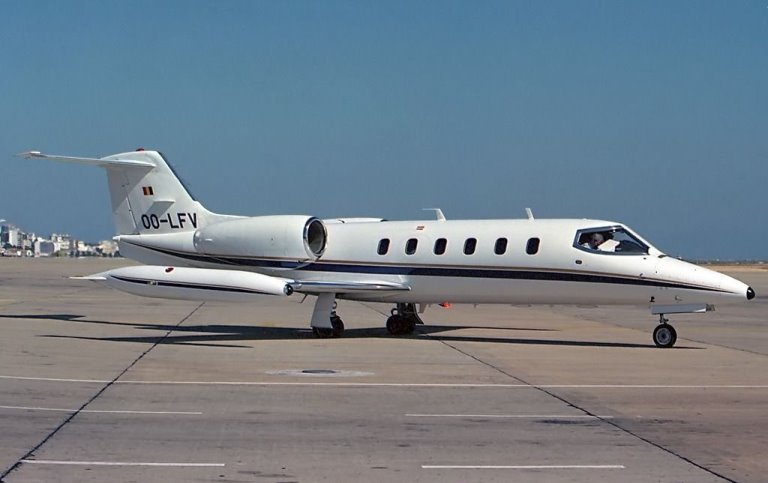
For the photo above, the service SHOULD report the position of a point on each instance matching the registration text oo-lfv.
(193, 254)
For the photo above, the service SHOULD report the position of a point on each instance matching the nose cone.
(711, 287)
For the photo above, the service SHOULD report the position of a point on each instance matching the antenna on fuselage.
(438, 213)
(529, 213)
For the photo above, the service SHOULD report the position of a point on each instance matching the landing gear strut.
(664, 335)
(403, 319)
(325, 322)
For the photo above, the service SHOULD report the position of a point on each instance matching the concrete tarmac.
(97, 385)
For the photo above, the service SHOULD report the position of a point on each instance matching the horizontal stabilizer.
(104, 163)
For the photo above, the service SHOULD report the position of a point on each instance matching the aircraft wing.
(187, 283)
(315, 287)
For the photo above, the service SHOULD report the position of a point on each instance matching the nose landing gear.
(336, 330)
(325, 321)
(664, 335)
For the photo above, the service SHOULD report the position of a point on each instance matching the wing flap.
(314, 287)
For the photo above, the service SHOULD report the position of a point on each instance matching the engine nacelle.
(295, 237)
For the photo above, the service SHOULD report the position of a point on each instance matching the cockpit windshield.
(612, 240)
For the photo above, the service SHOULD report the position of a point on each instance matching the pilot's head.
(596, 240)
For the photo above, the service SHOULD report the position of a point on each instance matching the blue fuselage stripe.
(421, 271)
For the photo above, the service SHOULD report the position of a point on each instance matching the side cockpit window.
(615, 239)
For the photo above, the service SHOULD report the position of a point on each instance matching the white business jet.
(193, 254)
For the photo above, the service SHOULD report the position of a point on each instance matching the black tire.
(409, 325)
(338, 326)
(664, 336)
(394, 324)
(399, 325)
(409, 311)
(322, 332)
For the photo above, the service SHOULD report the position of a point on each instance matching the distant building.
(63, 243)
(107, 248)
(15, 242)
(44, 248)
(27, 241)
(10, 236)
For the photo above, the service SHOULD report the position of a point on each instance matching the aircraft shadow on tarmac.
(217, 335)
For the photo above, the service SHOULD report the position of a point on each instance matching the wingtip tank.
(198, 284)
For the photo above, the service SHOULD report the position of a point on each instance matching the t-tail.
(147, 195)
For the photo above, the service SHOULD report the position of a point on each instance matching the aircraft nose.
(750, 293)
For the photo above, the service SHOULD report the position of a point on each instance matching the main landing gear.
(326, 323)
(664, 335)
(403, 319)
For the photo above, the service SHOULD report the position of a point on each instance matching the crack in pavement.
(562, 399)
(30, 453)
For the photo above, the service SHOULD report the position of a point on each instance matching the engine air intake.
(315, 236)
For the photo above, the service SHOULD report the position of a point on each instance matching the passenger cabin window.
(410, 246)
(383, 246)
(611, 240)
(532, 247)
(469, 246)
(500, 248)
(440, 245)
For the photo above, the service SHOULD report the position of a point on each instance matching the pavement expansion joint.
(30, 455)
(563, 399)
(318, 373)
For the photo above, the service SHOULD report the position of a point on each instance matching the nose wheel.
(324, 312)
(326, 333)
(664, 335)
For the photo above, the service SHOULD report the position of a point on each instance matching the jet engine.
(294, 237)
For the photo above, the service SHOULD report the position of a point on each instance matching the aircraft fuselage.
(513, 262)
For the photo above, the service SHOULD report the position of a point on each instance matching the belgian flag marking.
(148, 191)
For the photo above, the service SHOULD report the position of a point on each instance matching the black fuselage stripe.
(457, 272)
(198, 286)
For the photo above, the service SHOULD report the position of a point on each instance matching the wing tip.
(93, 278)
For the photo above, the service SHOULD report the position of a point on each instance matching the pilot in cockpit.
(591, 240)
(611, 240)
(600, 241)
(596, 240)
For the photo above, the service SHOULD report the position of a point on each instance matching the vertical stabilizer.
(151, 200)
(147, 195)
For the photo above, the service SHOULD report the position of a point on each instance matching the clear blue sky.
(650, 113)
